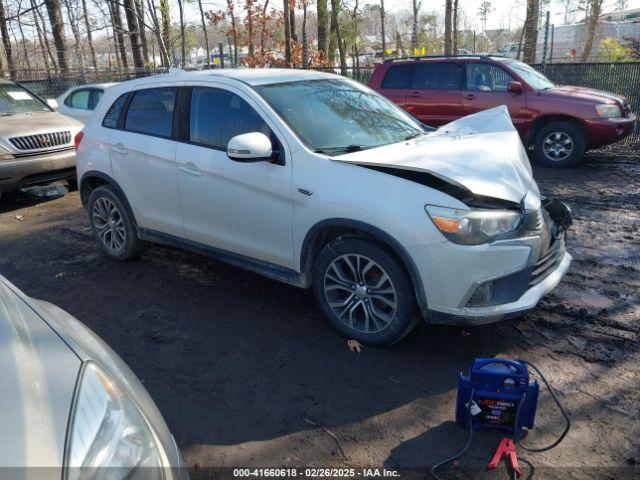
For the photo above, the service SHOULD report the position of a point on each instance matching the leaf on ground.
(354, 346)
(60, 275)
(19, 217)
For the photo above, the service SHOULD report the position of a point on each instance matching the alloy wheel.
(360, 293)
(109, 224)
(557, 146)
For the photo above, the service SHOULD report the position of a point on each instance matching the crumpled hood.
(34, 123)
(482, 153)
(39, 373)
(588, 94)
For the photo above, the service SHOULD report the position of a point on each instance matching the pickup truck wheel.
(559, 144)
(363, 291)
(111, 225)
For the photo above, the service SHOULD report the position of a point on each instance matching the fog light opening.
(482, 296)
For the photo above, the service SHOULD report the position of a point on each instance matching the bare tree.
(183, 38)
(87, 25)
(54, 10)
(592, 25)
(6, 41)
(166, 24)
(455, 27)
(287, 33)
(335, 10)
(383, 33)
(139, 4)
(134, 32)
(116, 20)
(206, 36)
(414, 29)
(158, 32)
(531, 31)
(323, 26)
(77, 46)
(45, 35)
(447, 27)
(44, 48)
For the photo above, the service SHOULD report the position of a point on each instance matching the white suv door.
(240, 207)
(143, 159)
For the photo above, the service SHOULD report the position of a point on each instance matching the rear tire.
(112, 225)
(364, 291)
(559, 145)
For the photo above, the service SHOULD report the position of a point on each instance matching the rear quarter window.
(398, 76)
(113, 115)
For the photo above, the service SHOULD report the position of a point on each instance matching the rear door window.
(398, 76)
(151, 111)
(437, 76)
(113, 115)
(486, 77)
(218, 115)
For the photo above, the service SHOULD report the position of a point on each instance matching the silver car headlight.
(608, 110)
(473, 227)
(109, 436)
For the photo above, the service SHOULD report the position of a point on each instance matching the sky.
(507, 12)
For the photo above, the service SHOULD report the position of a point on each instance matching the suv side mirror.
(252, 146)
(515, 87)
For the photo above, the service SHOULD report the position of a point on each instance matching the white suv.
(316, 180)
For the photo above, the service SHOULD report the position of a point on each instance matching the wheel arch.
(94, 179)
(327, 230)
(543, 120)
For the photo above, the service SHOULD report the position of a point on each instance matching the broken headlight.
(473, 227)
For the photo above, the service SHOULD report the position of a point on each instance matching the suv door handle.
(414, 94)
(119, 149)
(470, 96)
(190, 170)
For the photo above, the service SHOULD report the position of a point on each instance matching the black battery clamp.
(498, 394)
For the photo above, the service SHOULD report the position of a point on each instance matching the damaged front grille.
(549, 260)
(41, 141)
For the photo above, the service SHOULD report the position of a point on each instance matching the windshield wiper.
(415, 135)
(347, 149)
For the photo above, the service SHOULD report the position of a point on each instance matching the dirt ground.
(248, 373)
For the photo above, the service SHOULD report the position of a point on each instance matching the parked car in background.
(316, 180)
(36, 143)
(70, 404)
(79, 102)
(559, 123)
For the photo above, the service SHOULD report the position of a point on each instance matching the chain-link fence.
(620, 78)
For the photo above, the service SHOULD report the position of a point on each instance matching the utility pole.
(546, 42)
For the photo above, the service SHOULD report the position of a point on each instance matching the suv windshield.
(533, 77)
(335, 116)
(15, 99)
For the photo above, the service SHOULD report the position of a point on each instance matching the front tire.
(364, 291)
(112, 225)
(559, 145)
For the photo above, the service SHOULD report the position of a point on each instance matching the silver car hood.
(482, 153)
(39, 373)
(34, 123)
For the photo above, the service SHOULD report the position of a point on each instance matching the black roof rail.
(419, 57)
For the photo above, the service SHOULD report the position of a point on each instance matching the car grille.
(549, 260)
(41, 141)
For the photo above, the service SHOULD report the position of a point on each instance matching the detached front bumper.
(38, 169)
(495, 313)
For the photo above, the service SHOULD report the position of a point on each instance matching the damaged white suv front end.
(505, 244)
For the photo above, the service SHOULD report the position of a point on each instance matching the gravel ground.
(248, 373)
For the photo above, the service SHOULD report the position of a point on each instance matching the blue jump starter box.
(499, 387)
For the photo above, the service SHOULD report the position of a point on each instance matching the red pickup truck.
(558, 123)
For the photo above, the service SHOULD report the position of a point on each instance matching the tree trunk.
(292, 20)
(24, 46)
(87, 24)
(43, 49)
(183, 39)
(382, 30)
(206, 36)
(287, 33)
(323, 26)
(166, 25)
(77, 46)
(143, 30)
(447, 27)
(134, 33)
(45, 35)
(335, 10)
(6, 42)
(455, 27)
(249, 23)
(531, 31)
(305, 46)
(592, 26)
(117, 26)
(57, 29)
(414, 29)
